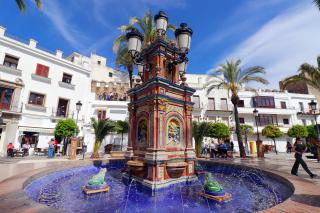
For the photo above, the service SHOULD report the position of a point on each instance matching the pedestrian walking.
(299, 148)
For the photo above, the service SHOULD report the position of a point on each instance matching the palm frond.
(21, 5)
(38, 3)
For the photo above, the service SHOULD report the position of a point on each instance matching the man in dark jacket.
(299, 148)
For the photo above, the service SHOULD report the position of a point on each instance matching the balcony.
(15, 109)
(66, 85)
(58, 114)
(10, 70)
(277, 110)
(41, 78)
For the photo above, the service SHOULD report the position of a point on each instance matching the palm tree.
(232, 77)
(246, 130)
(122, 127)
(147, 27)
(317, 3)
(101, 129)
(199, 130)
(306, 73)
(22, 5)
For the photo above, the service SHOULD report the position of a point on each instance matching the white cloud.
(52, 10)
(283, 44)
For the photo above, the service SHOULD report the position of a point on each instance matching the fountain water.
(261, 190)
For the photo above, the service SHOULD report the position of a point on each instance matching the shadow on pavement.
(311, 200)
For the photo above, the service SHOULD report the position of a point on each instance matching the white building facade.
(282, 109)
(37, 89)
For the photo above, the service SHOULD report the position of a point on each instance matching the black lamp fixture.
(78, 106)
(183, 37)
(313, 106)
(255, 112)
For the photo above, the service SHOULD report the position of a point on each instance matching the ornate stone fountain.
(160, 151)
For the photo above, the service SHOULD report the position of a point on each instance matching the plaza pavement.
(15, 172)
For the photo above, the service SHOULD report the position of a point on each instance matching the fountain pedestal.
(160, 151)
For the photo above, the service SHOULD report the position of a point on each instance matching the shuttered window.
(42, 70)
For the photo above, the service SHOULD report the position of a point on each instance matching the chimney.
(32, 43)
(59, 53)
(2, 30)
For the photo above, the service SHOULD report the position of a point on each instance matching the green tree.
(232, 77)
(306, 73)
(22, 5)
(312, 132)
(273, 132)
(218, 131)
(199, 131)
(122, 127)
(101, 129)
(245, 130)
(298, 131)
(120, 45)
(65, 128)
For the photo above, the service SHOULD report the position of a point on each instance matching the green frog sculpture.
(97, 183)
(212, 187)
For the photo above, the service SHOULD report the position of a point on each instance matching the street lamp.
(256, 115)
(183, 36)
(313, 107)
(78, 108)
(1, 120)
(161, 20)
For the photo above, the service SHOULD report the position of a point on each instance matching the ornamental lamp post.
(135, 39)
(183, 35)
(258, 142)
(78, 108)
(313, 107)
(161, 21)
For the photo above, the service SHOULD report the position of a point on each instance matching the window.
(283, 105)
(62, 107)
(285, 121)
(267, 119)
(241, 103)
(42, 70)
(196, 100)
(66, 78)
(241, 120)
(110, 74)
(224, 105)
(11, 61)
(102, 115)
(211, 104)
(301, 107)
(99, 62)
(36, 99)
(264, 101)
(6, 95)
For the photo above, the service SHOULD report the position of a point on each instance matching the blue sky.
(276, 34)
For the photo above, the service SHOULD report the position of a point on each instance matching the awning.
(36, 129)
